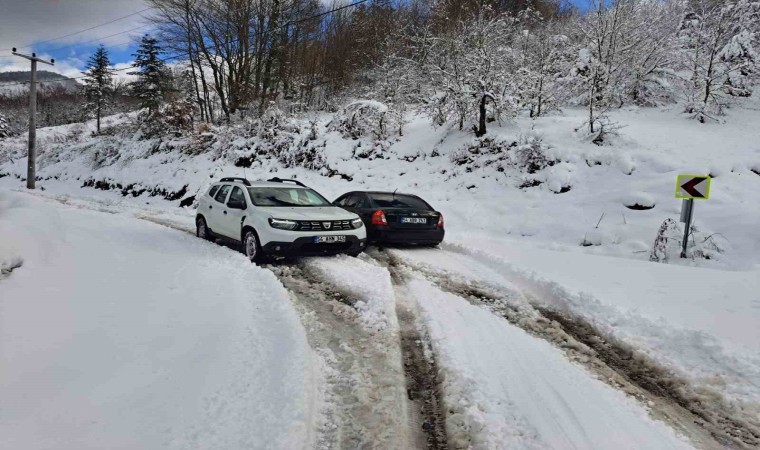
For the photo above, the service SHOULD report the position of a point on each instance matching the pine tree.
(98, 84)
(153, 78)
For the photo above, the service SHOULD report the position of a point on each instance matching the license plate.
(413, 220)
(329, 239)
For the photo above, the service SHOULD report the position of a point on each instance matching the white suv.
(277, 218)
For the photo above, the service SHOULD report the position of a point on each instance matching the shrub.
(365, 118)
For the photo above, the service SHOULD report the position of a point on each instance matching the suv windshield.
(398, 201)
(283, 196)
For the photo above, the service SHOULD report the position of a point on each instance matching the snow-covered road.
(508, 390)
(120, 333)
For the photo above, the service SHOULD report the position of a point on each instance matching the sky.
(46, 27)
(27, 24)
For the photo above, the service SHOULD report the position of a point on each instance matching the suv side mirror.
(236, 204)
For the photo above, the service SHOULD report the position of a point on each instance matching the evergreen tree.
(98, 84)
(153, 78)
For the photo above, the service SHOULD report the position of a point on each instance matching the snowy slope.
(582, 196)
(119, 333)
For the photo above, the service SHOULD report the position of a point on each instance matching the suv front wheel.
(201, 229)
(251, 246)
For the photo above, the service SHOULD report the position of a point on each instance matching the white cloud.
(122, 73)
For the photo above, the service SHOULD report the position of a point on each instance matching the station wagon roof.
(383, 192)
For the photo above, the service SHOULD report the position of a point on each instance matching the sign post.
(689, 188)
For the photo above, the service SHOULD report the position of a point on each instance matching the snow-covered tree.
(719, 42)
(181, 107)
(98, 84)
(649, 55)
(543, 55)
(5, 127)
(153, 78)
(471, 73)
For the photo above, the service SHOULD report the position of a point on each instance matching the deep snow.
(120, 333)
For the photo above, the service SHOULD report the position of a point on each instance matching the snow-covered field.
(507, 230)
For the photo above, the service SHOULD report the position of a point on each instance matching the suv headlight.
(283, 224)
(357, 223)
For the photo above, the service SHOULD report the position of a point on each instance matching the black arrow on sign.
(691, 187)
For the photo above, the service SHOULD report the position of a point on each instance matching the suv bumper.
(305, 246)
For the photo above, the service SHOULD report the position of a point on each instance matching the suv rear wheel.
(251, 246)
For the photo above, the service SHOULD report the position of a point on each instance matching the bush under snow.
(365, 118)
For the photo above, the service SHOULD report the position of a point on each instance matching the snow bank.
(118, 333)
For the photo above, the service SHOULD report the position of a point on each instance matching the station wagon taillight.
(378, 218)
(440, 221)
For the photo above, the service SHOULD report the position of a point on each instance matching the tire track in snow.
(365, 400)
(421, 369)
(708, 422)
(422, 413)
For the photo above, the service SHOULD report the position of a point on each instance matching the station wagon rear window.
(276, 196)
(398, 201)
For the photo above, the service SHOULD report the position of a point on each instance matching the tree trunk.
(273, 54)
(482, 117)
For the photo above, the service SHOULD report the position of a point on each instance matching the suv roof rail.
(230, 179)
(281, 180)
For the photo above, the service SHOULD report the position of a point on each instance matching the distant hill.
(49, 79)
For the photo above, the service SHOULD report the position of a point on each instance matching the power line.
(98, 39)
(86, 29)
(216, 47)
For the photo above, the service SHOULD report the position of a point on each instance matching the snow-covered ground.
(509, 229)
(120, 333)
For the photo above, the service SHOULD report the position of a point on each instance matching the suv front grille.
(333, 225)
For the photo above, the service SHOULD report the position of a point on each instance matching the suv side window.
(213, 190)
(222, 194)
(237, 196)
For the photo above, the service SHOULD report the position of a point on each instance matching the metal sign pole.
(687, 210)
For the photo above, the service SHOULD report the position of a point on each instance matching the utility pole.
(32, 155)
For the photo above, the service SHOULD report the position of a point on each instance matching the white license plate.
(329, 239)
(413, 220)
